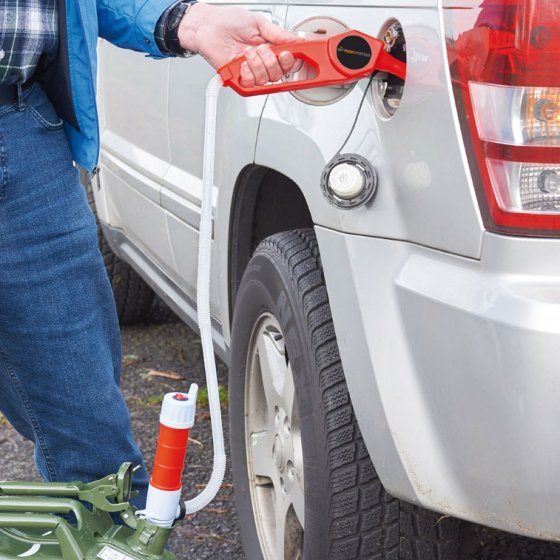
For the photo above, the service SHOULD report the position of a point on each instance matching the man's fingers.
(273, 68)
(256, 66)
(262, 66)
(247, 77)
(287, 62)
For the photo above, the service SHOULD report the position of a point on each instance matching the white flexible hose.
(203, 302)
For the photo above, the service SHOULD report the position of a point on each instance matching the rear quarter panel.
(424, 193)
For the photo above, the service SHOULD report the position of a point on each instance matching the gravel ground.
(167, 345)
(163, 345)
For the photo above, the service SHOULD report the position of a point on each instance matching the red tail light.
(504, 57)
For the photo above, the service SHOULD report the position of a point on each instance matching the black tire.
(348, 514)
(133, 297)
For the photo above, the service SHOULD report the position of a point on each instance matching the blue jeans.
(60, 352)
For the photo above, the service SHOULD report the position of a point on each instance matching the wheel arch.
(260, 204)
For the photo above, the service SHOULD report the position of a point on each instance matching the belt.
(9, 94)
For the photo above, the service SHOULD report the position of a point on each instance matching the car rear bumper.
(453, 366)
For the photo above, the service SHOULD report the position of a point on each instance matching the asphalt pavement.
(164, 355)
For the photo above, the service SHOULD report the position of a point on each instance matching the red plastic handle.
(327, 58)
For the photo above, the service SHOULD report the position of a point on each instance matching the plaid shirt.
(28, 28)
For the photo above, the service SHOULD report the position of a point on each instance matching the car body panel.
(454, 372)
(133, 205)
(173, 184)
(417, 153)
(448, 335)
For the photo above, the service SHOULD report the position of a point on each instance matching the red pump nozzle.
(340, 59)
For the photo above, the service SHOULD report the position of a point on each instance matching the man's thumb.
(275, 34)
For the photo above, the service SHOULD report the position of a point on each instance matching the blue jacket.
(70, 81)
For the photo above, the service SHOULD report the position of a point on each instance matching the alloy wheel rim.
(273, 443)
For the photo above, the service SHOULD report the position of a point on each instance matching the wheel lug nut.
(277, 453)
(291, 470)
(287, 428)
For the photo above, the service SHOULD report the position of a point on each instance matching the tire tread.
(367, 523)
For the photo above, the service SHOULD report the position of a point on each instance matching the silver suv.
(391, 316)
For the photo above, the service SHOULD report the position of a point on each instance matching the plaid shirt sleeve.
(30, 29)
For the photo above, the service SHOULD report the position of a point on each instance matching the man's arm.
(218, 33)
(131, 24)
(221, 33)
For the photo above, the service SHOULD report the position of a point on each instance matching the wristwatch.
(171, 23)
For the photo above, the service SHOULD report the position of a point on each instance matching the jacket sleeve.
(131, 24)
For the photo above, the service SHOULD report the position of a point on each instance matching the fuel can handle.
(337, 60)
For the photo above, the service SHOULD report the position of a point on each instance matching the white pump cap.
(178, 409)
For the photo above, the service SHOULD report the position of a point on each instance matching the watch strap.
(168, 27)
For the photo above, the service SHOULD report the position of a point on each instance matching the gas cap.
(349, 181)
(346, 180)
(317, 27)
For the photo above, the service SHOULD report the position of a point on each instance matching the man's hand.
(221, 34)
